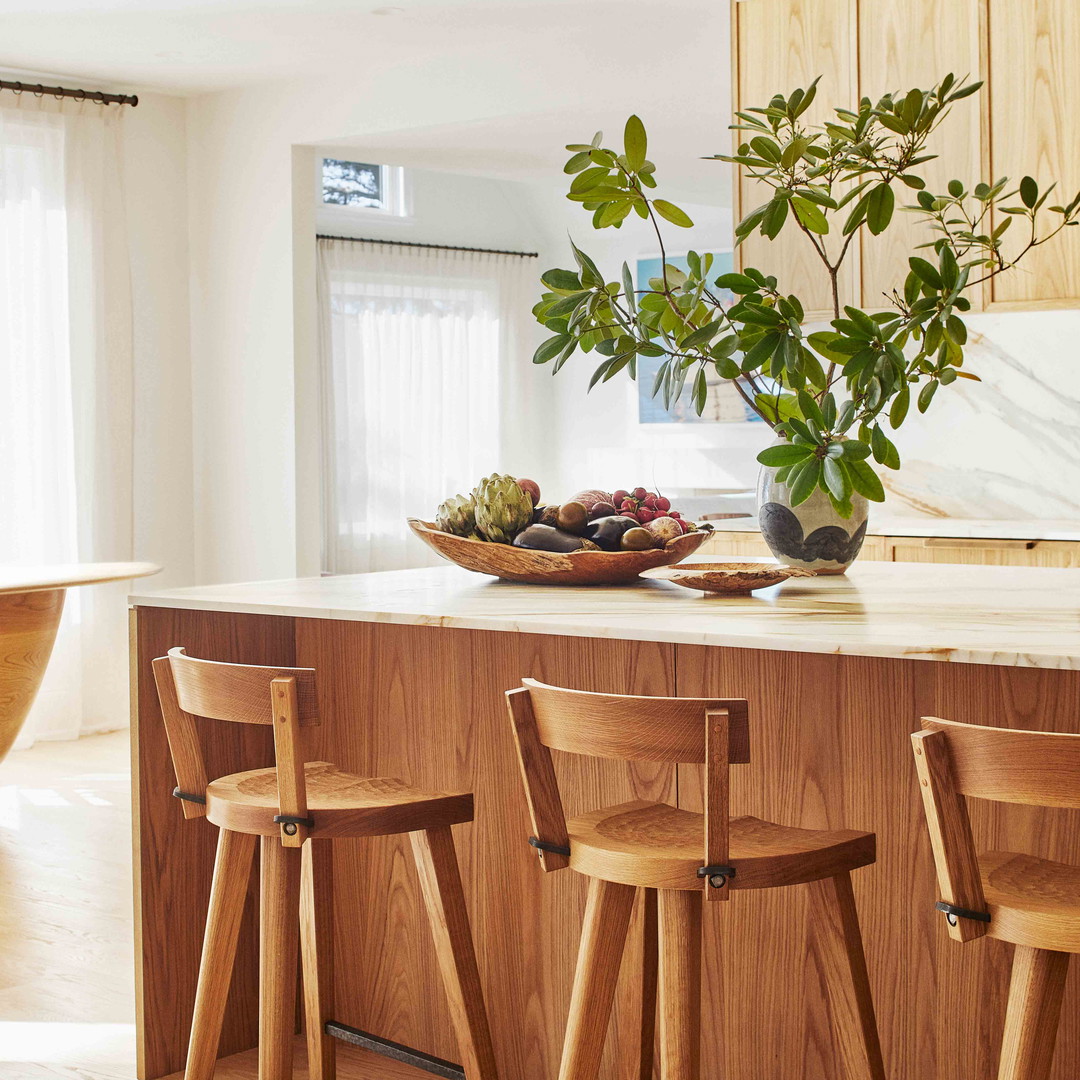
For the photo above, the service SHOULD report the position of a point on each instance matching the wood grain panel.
(427, 704)
(909, 43)
(174, 858)
(778, 46)
(983, 552)
(831, 749)
(1034, 88)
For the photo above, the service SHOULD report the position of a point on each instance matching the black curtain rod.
(439, 247)
(97, 96)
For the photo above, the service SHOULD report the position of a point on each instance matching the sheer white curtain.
(65, 389)
(419, 352)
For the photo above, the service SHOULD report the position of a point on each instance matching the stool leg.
(834, 926)
(440, 882)
(1031, 1021)
(603, 938)
(232, 872)
(680, 984)
(279, 934)
(317, 954)
(649, 962)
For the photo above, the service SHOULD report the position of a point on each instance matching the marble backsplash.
(1005, 447)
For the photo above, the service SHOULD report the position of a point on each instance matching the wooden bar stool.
(298, 809)
(1032, 902)
(675, 856)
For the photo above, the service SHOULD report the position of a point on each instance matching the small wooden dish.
(550, 567)
(735, 579)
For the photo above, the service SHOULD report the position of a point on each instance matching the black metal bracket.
(952, 913)
(554, 849)
(188, 797)
(291, 822)
(717, 875)
(388, 1048)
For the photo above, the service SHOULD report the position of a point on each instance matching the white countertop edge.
(612, 631)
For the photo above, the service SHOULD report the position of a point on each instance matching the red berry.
(650, 502)
(639, 493)
(645, 515)
(629, 514)
(663, 504)
(628, 504)
(619, 496)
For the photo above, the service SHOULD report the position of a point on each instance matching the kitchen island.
(412, 666)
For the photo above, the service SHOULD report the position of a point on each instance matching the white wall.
(155, 194)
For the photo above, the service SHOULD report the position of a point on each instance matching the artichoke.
(503, 509)
(458, 516)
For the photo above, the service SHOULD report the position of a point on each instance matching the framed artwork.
(723, 405)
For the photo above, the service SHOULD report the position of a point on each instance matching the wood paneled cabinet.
(937, 549)
(1024, 120)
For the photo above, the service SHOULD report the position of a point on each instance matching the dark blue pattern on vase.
(783, 532)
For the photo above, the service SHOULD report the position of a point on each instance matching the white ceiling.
(539, 73)
(200, 46)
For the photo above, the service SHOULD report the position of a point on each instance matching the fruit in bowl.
(596, 537)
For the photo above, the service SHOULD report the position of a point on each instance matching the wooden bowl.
(551, 567)
(732, 578)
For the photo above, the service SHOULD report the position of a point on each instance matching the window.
(361, 187)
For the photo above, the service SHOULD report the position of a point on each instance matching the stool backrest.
(283, 698)
(956, 761)
(709, 731)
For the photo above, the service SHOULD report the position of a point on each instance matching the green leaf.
(899, 408)
(672, 213)
(802, 487)
(702, 335)
(785, 454)
(635, 142)
(865, 481)
(835, 480)
(578, 162)
(551, 348)
(1029, 192)
(737, 283)
(854, 450)
(926, 272)
(561, 281)
(810, 215)
(879, 209)
(821, 342)
(926, 395)
(775, 216)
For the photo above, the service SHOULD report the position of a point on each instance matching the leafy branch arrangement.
(827, 393)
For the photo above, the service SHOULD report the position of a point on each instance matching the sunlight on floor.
(67, 1006)
(59, 1043)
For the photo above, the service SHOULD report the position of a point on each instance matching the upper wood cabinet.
(1025, 119)
(1035, 127)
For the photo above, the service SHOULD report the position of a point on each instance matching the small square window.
(348, 188)
(353, 183)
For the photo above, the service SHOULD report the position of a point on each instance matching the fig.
(546, 515)
(663, 529)
(589, 499)
(607, 532)
(545, 538)
(573, 517)
(532, 489)
(637, 539)
(601, 510)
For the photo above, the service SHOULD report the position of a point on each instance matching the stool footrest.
(952, 913)
(388, 1048)
(188, 797)
(545, 845)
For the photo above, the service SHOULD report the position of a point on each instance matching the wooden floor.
(66, 953)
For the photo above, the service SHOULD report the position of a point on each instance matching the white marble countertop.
(1010, 616)
(954, 528)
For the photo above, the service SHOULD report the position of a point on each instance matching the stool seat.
(340, 804)
(657, 846)
(1032, 901)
